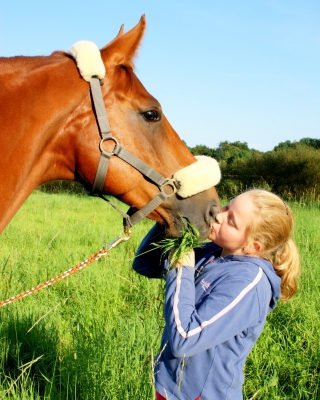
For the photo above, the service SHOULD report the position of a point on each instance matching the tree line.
(291, 169)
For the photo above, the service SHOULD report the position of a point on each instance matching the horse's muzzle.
(199, 210)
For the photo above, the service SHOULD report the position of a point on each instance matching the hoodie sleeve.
(148, 260)
(230, 308)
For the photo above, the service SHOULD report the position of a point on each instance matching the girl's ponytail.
(272, 226)
(286, 263)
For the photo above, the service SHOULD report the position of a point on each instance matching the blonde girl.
(218, 296)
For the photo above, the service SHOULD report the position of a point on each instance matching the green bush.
(291, 172)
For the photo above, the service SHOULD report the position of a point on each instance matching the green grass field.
(94, 334)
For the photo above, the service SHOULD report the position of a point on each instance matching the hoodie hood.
(274, 280)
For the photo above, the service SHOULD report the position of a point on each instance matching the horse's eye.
(151, 115)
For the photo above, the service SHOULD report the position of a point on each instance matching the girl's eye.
(151, 115)
(230, 222)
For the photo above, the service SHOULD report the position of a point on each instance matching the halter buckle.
(108, 153)
(173, 187)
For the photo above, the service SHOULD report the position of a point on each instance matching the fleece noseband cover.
(197, 177)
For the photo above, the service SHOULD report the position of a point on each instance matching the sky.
(231, 70)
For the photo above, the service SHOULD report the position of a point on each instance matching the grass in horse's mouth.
(189, 239)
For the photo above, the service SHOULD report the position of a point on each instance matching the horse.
(49, 132)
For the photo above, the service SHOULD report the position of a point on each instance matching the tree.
(230, 151)
(314, 143)
(202, 150)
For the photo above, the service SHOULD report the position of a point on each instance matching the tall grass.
(93, 335)
(90, 336)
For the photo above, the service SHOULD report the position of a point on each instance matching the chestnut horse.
(49, 132)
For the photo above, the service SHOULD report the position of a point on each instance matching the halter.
(204, 173)
(119, 151)
(188, 181)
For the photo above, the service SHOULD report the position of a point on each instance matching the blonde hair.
(272, 226)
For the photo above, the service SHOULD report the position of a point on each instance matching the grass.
(179, 246)
(74, 340)
(93, 335)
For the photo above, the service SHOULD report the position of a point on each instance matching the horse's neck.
(35, 105)
(36, 100)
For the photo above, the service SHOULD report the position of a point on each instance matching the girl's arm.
(148, 261)
(229, 309)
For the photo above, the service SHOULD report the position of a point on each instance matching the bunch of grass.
(179, 246)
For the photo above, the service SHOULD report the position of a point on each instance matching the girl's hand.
(187, 260)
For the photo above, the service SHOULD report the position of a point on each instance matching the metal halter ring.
(108, 153)
(171, 183)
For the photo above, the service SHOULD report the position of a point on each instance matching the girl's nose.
(219, 218)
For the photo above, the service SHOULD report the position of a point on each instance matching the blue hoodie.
(214, 314)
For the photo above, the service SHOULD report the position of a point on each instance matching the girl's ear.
(253, 248)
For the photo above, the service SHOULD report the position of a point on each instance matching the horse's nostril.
(211, 214)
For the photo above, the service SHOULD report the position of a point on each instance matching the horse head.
(139, 125)
(49, 126)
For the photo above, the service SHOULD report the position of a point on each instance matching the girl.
(218, 296)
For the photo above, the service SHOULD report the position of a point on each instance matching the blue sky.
(223, 70)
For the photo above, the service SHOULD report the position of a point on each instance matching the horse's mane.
(15, 65)
(60, 53)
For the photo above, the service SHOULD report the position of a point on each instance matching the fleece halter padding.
(197, 177)
(88, 58)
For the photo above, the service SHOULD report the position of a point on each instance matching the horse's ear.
(120, 31)
(123, 48)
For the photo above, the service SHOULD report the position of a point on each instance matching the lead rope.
(123, 237)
